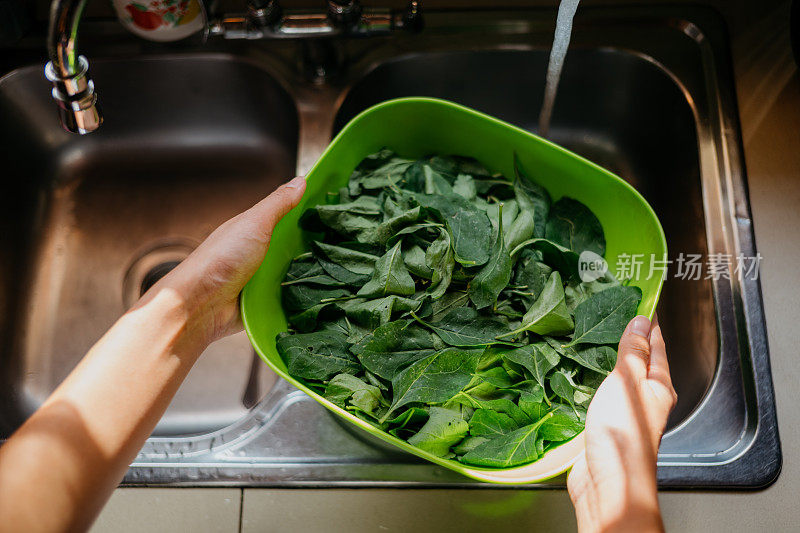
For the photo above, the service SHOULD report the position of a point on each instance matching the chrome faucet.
(73, 89)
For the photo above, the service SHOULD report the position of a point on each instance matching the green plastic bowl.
(416, 127)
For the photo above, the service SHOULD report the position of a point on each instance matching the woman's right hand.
(613, 485)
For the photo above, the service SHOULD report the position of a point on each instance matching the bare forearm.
(59, 468)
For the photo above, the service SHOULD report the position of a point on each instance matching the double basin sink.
(190, 139)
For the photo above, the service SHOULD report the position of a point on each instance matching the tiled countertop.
(768, 87)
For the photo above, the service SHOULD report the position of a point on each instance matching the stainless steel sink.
(191, 139)
(194, 141)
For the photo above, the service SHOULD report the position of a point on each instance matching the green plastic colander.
(416, 127)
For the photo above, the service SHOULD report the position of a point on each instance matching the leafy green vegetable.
(486, 286)
(602, 318)
(390, 277)
(487, 423)
(444, 428)
(510, 449)
(469, 227)
(442, 304)
(434, 379)
(347, 390)
(463, 326)
(393, 346)
(318, 355)
(574, 226)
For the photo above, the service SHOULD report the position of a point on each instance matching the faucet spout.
(73, 89)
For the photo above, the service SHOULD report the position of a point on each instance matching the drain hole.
(150, 265)
(155, 274)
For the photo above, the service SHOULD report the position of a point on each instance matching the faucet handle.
(344, 13)
(264, 13)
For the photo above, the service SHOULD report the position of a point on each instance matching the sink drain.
(151, 265)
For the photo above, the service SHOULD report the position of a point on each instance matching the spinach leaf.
(494, 276)
(573, 225)
(531, 197)
(444, 428)
(318, 355)
(373, 313)
(549, 314)
(346, 390)
(469, 227)
(602, 318)
(468, 444)
(538, 359)
(512, 449)
(434, 379)
(408, 422)
(392, 347)
(346, 265)
(440, 260)
(463, 326)
(600, 359)
(487, 423)
(448, 302)
(390, 277)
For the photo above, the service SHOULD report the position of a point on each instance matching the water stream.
(566, 12)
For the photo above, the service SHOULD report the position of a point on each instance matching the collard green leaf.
(390, 277)
(318, 355)
(434, 379)
(444, 428)
(573, 225)
(602, 318)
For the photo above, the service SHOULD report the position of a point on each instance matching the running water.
(566, 11)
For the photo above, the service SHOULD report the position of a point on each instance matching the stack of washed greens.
(443, 304)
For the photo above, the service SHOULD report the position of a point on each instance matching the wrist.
(174, 315)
